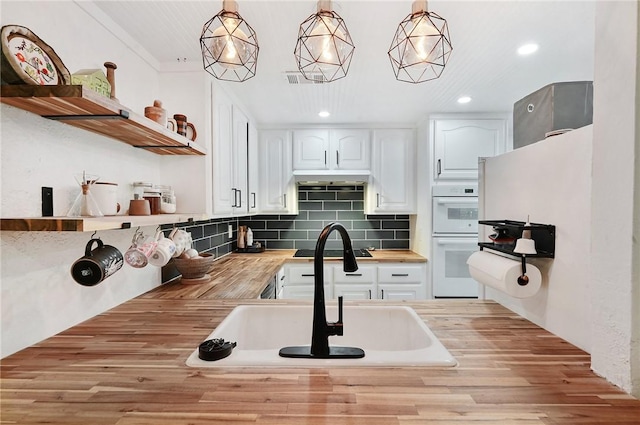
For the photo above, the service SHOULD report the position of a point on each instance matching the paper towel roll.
(502, 274)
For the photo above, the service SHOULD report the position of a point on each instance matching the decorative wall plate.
(26, 59)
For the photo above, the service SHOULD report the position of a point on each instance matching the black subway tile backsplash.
(318, 206)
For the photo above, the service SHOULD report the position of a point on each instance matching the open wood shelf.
(90, 224)
(81, 107)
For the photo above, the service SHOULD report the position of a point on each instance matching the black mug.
(97, 264)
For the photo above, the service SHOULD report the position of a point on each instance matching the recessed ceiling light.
(324, 114)
(527, 49)
(464, 99)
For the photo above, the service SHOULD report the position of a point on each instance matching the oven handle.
(469, 200)
(462, 240)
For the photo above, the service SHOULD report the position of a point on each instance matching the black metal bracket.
(187, 146)
(123, 114)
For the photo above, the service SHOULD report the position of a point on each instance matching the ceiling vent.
(296, 78)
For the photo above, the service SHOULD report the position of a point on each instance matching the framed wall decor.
(26, 59)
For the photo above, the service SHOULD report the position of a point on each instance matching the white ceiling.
(484, 64)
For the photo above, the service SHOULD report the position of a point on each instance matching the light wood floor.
(127, 367)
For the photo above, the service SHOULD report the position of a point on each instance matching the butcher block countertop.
(237, 276)
(127, 367)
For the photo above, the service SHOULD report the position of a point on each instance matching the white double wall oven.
(455, 238)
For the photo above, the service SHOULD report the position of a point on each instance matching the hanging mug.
(140, 250)
(182, 240)
(97, 264)
(165, 248)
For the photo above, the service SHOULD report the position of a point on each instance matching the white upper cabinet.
(350, 149)
(277, 192)
(458, 143)
(240, 143)
(392, 189)
(222, 153)
(253, 171)
(229, 156)
(340, 149)
(310, 149)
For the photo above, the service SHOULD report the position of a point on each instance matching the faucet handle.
(335, 328)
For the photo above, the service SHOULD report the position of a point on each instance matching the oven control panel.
(455, 190)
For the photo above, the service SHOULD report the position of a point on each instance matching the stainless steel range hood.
(332, 176)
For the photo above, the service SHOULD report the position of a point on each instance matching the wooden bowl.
(194, 268)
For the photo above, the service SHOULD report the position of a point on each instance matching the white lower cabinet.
(388, 281)
(402, 282)
(358, 285)
(298, 282)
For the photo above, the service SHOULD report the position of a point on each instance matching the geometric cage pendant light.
(324, 45)
(229, 45)
(421, 46)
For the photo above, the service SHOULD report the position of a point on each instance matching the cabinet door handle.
(307, 275)
(325, 157)
(284, 196)
(369, 293)
(235, 197)
(239, 198)
(253, 195)
(337, 158)
(382, 294)
(353, 274)
(439, 167)
(282, 278)
(377, 199)
(400, 274)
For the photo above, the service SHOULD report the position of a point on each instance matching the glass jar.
(154, 199)
(139, 188)
(168, 199)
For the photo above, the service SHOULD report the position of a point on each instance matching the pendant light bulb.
(321, 43)
(423, 41)
(230, 44)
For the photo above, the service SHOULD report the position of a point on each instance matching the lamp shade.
(324, 45)
(229, 45)
(421, 46)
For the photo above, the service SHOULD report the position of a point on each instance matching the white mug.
(106, 196)
(181, 239)
(165, 248)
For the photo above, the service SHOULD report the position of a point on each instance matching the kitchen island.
(127, 367)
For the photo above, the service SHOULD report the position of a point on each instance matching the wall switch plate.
(47, 201)
(230, 230)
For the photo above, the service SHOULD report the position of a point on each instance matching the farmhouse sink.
(391, 336)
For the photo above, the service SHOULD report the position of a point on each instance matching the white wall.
(38, 296)
(591, 296)
(551, 182)
(615, 254)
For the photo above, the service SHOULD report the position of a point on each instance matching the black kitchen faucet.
(322, 329)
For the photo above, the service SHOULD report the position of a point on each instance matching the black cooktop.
(330, 253)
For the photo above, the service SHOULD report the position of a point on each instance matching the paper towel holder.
(530, 236)
(542, 235)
